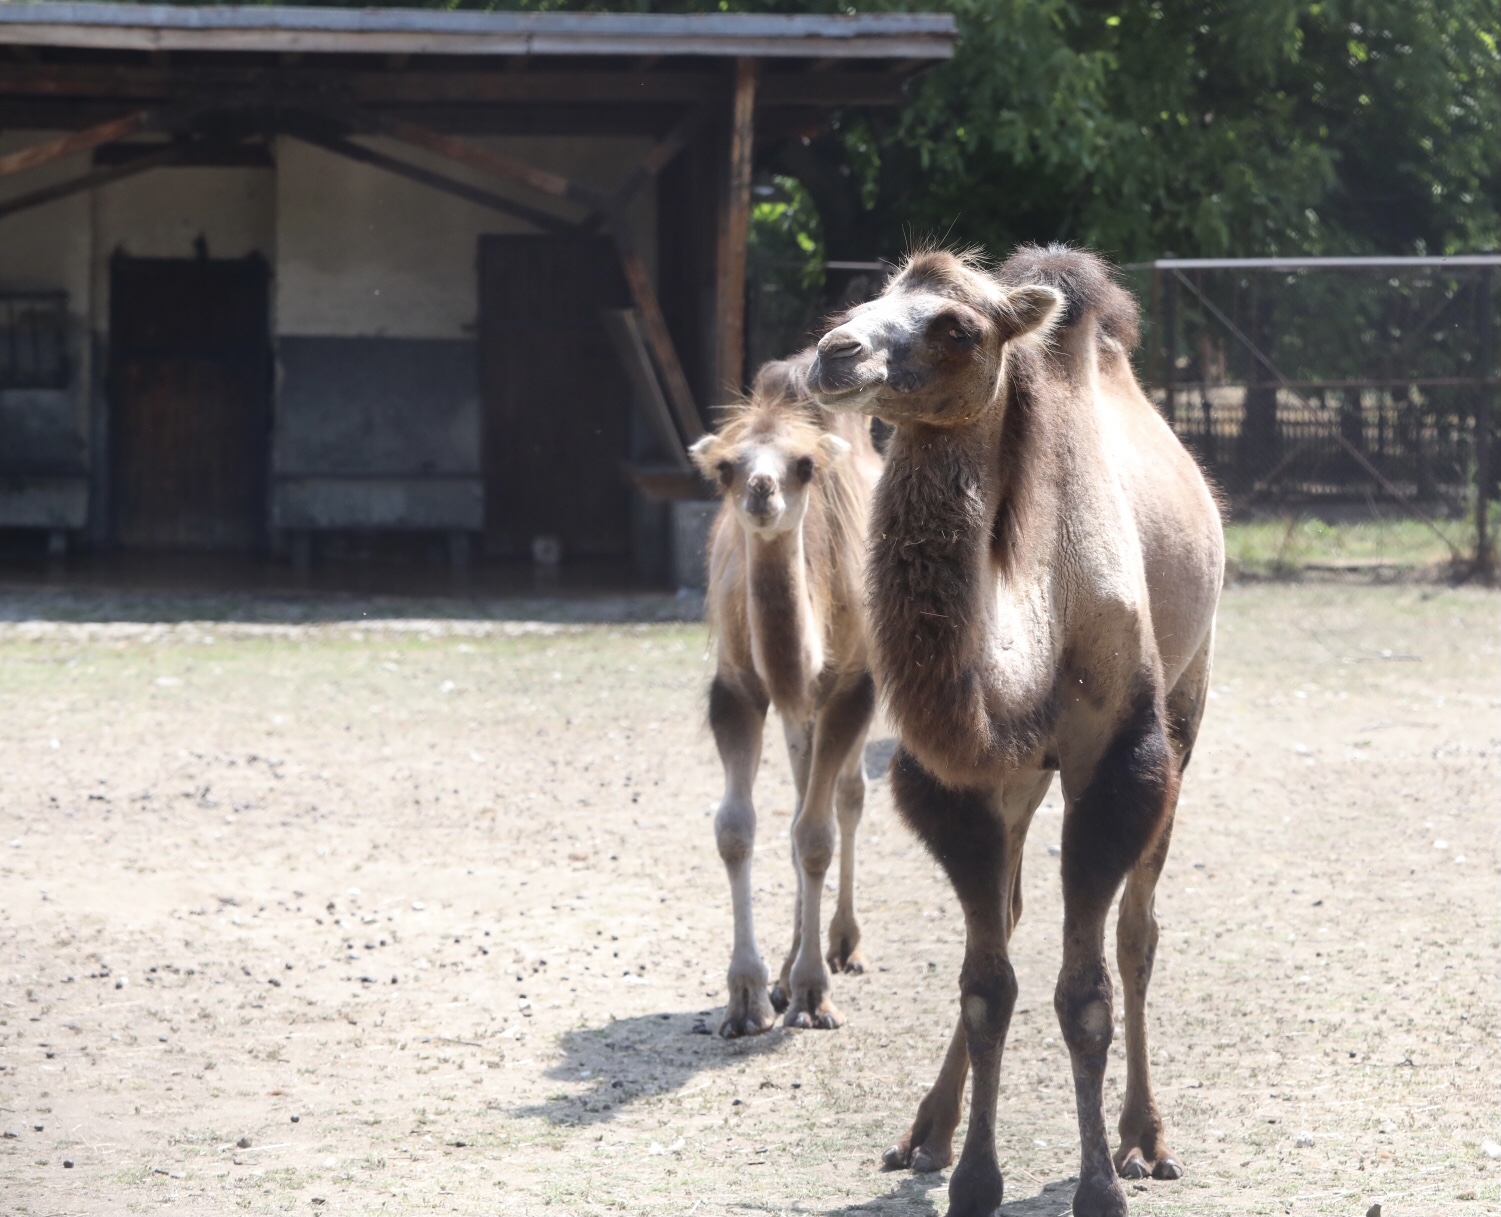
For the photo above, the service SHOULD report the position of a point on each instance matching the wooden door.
(556, 401)
(190, 381)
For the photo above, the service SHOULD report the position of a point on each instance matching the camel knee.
(735, 832)
(987, 998)
(1085, 1013)
(814, 843)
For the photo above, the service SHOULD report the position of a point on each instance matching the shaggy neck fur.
(786, 643)
(962, 527)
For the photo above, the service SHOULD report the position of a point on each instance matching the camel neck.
(785, 645)
(955, 598)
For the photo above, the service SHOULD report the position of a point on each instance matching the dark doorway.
(556, 402)
(190, 398)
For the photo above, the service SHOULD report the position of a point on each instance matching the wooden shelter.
(270, 271)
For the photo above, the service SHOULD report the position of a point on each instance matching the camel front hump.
(785, 600)
(1044, 573)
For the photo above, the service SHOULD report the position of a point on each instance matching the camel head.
(929, 349)
(769, 452)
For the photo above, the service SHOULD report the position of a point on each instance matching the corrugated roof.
(160, 27)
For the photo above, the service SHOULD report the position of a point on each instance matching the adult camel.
(1045, 566)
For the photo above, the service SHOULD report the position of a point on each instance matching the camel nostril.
(840, 346)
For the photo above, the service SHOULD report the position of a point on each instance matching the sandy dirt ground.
(424, 915)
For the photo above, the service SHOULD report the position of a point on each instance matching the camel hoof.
(747, 1012)
(844, 960)
(1134, 1167)
(822, 1017)
(1168, 1167)
(975, 1190)
(1099, 1197)
(779, 999)
(734, 1028)
(925, 1161)
(922, 1159)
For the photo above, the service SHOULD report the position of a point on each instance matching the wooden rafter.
(92, 180)
(72, 144)
(643, 293)
(474, 194)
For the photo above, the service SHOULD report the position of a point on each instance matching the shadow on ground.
(929, 1194)
(633, 1058)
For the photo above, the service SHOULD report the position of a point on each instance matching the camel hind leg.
(1143, 1148)
(844, 954)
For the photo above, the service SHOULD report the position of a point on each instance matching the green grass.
(1291, 544)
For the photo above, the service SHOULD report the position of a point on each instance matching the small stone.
(296, 1118)
(67, 1163)
(1490, 1149)
(10, 1134)
(1373, 1211)
(1303, 1140)
(243, 1143)
(38, 1127)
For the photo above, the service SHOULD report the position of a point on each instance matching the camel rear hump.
(1089, 289)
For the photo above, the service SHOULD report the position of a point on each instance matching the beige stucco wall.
(162, 212)
(361, 252)
(47, 248)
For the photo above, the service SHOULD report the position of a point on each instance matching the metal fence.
(1317, 378)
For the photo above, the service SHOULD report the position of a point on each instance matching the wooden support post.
(72, 144)
(734, 233)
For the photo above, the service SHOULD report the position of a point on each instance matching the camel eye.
(958, 335)
(804, 469)
(726, 473)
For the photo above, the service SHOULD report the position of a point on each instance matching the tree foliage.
(1207, 127)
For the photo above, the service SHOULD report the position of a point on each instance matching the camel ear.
(834, 447)
(704, 453)
(1029, 307)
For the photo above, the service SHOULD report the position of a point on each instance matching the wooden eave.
(922, 36)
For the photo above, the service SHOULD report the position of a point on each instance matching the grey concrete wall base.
(28, 501)
(446, 504)
(691, 521)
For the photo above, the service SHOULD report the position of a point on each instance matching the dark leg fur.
(969, 840)
(1106, 832)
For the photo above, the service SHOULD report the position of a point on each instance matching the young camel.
(786, 562)
(1046, 563)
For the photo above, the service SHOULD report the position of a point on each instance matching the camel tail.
(1088, 284)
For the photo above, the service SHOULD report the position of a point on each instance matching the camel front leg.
(737, 717)
(844, 954)
(929, 1144)
(799, 737)
(841, 721)
(965, 833)
(1106, 832)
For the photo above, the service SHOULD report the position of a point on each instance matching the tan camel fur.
(785, 602)
(1046, 563)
